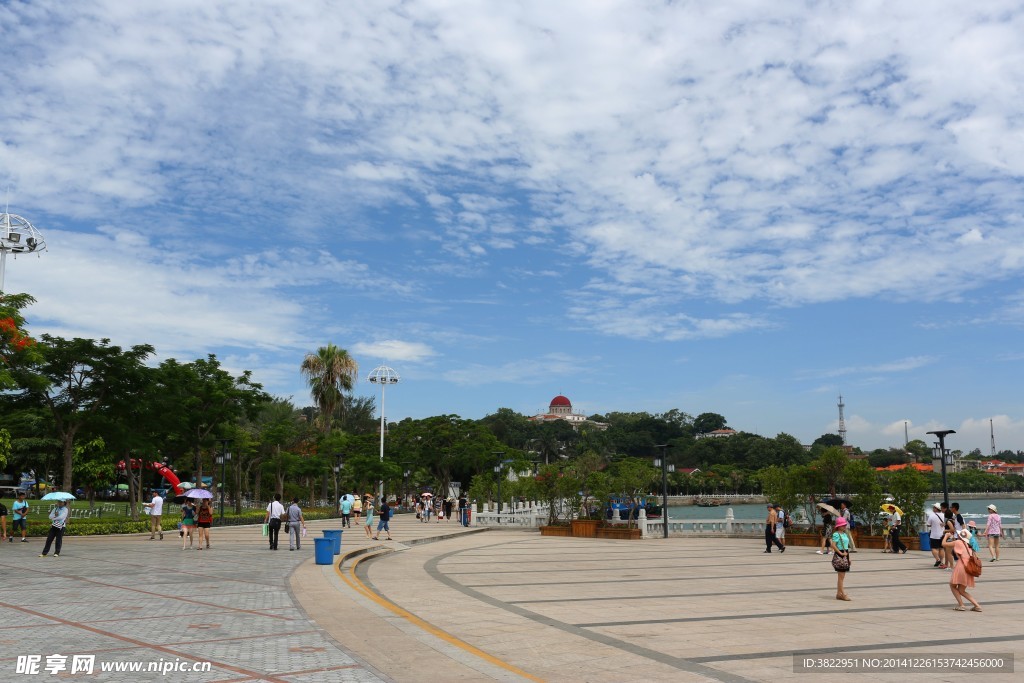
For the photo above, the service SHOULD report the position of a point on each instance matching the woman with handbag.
(841, 556)
(962, 577)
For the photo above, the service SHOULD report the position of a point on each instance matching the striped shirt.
(59, 517)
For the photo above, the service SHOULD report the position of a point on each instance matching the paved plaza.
(445, 603)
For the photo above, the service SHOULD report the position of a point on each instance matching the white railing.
(730, 526)
(519, 515)
(527, 516)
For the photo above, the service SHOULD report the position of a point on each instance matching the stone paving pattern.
(444, 603)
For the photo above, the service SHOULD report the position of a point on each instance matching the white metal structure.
(17, 236)
(382, 375)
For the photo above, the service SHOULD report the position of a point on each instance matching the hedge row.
(97, 526)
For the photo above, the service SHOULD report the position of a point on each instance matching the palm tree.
(329, 372)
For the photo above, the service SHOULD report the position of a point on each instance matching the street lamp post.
(665, 469)
(382, 375)
(222, 460)
(338, 465)
(941, 448)
(405, 485)
(497, 470)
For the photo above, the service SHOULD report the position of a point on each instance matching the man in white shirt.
(936, 526)
(894, 533)
(273, 519)
(156, 509)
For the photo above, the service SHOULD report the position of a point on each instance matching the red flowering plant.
(16, 346)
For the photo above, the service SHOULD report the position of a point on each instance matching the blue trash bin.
(926, 541)
(335, 536)
(324, 550)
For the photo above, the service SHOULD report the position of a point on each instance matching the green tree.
(200, 398)
(883, 457)
(862, 482)
(74, 380)
(330, 372)
(919, 450)
(708, 422)
(831, 465)
(909, 490)
(779, 485)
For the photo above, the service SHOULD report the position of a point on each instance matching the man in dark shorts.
(20, 508)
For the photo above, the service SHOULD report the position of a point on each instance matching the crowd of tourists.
(953, 543)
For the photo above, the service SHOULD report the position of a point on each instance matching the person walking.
(463, 510)
(936, 524)
(357, 505)
(949, 527)
(894, 533)
(19, 512)
(275, 512)
(841, 556)
(58, 522)
(346, 510)
(993, 532)
(960, 581)
(368, 524)
(385, 515)
(204, 520)
(780, 525)
(156, 510)
(296, 525)
(188, 522)
(769, 531)
(3, 522)
(826, 534)
(447, 507)
(973, 528)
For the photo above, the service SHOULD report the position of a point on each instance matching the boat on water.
(708, 503)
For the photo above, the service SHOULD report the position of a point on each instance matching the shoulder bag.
(972, 565)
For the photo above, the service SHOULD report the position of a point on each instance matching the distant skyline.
(745, 209)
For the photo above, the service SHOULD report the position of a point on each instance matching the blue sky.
(744, 208)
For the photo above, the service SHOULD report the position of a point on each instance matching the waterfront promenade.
(446, 603)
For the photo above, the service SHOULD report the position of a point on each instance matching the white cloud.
(901, 365)
(527, 371)
(394, 350)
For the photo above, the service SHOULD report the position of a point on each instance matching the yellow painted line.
(356, 584)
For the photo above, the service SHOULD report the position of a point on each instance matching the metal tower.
(992, 436)
(842, 421)
(17, 236)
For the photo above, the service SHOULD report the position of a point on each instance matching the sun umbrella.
(185, 485)
(829, 509)
(890, 508)
(58, 495)
(836, 502)
(198, 493)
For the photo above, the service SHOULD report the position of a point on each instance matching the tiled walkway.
(446, 605)
(127, 599)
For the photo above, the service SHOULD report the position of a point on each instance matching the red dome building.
(560, 408)
(560, 405)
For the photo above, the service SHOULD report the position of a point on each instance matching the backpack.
(786, 523)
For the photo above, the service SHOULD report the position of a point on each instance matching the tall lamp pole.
(222, 460)
(497, 470)
(941, 448)
(382, 375)
(338, 465)
(17, 236)
(665, 469)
